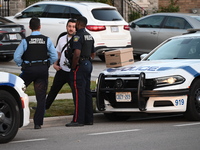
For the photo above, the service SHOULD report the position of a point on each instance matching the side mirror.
(132, 25)
(18, 15)
(143, 56)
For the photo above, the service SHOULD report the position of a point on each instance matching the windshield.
(197, 18)
(179, 48)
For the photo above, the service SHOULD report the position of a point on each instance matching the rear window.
(107, 14)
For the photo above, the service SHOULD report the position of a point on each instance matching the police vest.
(36, 48)
(88, 43)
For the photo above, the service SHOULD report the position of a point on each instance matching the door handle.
(62, 22)
(154, 32)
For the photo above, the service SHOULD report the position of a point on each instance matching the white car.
(14, 106)
(167, 80)
(105, 24)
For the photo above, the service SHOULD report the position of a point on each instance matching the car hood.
(157, 68)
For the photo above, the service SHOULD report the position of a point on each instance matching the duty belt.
(35, 63)
(84, 58)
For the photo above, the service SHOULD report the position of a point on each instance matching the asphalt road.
(138, 133)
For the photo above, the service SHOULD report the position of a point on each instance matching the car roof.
(187, 16)
(175, 14)
(184, 15)
(88, 4)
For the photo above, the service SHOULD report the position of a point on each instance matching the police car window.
(55, 11)
(34, 11)
(150, 22)
(178, 49)
(106, 15)
(176, 23)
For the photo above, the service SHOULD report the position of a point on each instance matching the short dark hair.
(34, 23)
(82, 20)
(71, 20)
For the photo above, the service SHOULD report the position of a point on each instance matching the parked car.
(14, 106)
(105, 24)
(149, 31)
(167, 80)
(11, 35)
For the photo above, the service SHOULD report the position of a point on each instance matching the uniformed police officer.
(35, 54)
(81, 68)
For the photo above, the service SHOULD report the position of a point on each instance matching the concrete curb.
(52, 121)
(59, 96)
(62, 120)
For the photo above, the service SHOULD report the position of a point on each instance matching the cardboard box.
(119, 57)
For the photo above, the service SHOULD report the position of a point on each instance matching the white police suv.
(167, 80)
(14, 106)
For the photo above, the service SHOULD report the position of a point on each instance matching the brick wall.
(185, 5)
(16, 6)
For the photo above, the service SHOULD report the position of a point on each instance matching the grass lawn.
(65, 88)
(59, 108)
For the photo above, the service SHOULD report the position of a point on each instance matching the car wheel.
(102, 57)
(193, 104)
(116, 117)
(6, 59)
(9, 117)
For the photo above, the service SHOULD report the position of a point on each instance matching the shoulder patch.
(76, 38)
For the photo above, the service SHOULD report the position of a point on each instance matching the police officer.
(35, 54)
(81, 69)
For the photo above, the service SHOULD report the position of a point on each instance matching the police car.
(167, 80)
(14, 106)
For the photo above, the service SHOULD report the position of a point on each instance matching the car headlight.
(169, 80)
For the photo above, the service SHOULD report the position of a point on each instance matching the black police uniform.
(81, 76)
(35, 69)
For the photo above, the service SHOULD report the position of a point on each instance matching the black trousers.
(82, 96)
(61, 77)
(38, 74)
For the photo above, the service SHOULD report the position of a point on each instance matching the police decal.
(36, 41)
(88, 37)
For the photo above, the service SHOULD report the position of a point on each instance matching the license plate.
(123, 96)
(114, 29)
(13, 36)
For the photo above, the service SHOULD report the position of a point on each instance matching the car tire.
(9, 117)
(6, 59)
(116, 117)
(193, 104)
(102, 57)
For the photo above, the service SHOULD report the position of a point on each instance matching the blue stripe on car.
(11, 80)
(186, 68)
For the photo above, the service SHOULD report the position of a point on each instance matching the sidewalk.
(59, 96)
